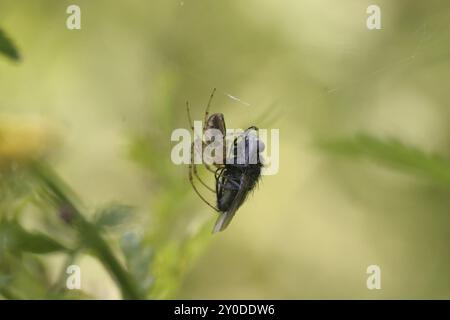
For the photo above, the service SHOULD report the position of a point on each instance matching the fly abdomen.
(228, 192)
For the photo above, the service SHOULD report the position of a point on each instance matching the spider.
(236, 175)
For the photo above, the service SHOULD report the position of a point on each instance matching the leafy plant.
(393, 153)
(177, 235)
(30, 184)
(7, 47)
(53, 191)
(146, 264)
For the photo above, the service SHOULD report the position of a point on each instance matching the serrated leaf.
(7, 47)
(394, 153)
(113, 215)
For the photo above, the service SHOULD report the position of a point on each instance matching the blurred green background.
(364, 144)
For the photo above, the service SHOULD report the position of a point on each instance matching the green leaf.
(26, 277)
(113, 215)
(7, 47)
(138, 257)
(14, 238)
(395, 154)
(5, 280)
(173, 260)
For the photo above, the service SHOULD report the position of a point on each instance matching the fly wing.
(225, 218)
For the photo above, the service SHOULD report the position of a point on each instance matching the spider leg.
(191, 180)
(199, 179)
(194, 166)
(226, 188)
(219, 185)
(252, 128)
(218, 172)
(203, 144)
(207, 109)
(207, 166)
(189, 116)
(235, 183)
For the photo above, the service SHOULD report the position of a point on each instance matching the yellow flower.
(24, 138)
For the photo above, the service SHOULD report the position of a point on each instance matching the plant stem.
(87, 231)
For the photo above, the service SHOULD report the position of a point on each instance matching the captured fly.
(235, 174)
